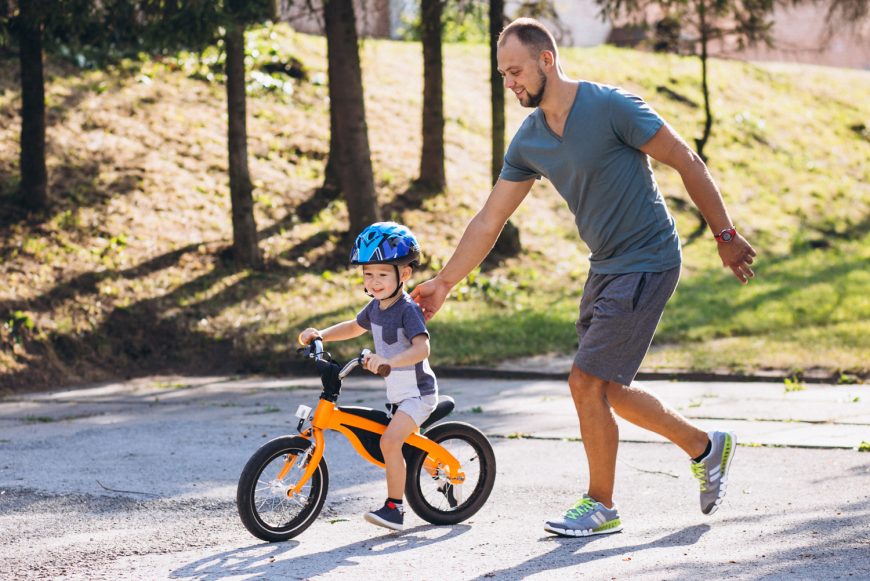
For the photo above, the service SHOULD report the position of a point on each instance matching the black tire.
(477, 460)
(266, 511)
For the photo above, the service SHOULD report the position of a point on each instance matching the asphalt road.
(137, 480)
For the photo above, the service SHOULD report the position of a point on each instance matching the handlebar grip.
(384, 370)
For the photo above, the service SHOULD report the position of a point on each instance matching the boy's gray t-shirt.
(608, 183)
(392, 329)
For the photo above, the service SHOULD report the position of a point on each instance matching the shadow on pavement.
(262, 559)
(569, 552)
(829, 544)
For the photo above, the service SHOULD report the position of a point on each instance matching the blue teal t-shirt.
(608, 183)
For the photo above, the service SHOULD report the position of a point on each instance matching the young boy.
(387, 253)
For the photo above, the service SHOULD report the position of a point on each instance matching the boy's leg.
(391, 515)
(401, 426)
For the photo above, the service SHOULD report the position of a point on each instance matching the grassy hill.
(126, 276)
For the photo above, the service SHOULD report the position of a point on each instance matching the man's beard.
(535, 99)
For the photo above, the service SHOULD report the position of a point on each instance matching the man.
(592, 142)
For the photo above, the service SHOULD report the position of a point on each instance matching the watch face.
(726, 236)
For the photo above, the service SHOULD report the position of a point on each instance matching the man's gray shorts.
(618, 318)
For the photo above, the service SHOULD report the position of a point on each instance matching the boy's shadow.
(264, 559)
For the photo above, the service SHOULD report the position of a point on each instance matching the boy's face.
(380, 279)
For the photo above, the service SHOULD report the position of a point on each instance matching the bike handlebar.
(317, 353)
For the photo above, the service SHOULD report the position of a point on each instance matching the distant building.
(798, 31)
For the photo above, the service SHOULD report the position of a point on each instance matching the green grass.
(125, 276)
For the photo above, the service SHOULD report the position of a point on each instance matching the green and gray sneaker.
(712, 471)
(586, 518)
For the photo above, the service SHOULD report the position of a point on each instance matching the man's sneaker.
(391, 515)
(447, 490)
(712, 471)
(586, 518)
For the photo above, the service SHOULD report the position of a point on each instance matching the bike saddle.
(442, 410)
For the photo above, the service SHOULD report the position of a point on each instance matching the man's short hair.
(532, 34)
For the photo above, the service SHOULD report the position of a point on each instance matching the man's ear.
(548, 58)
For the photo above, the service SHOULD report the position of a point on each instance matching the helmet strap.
(398, 280)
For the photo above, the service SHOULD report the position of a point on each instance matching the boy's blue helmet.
(385, 243)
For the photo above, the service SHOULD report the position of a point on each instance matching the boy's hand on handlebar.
(309, 335)
(376, 364)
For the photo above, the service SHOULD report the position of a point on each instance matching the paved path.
(798, 506)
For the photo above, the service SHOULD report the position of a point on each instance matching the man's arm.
(669, 148)
(479, 237)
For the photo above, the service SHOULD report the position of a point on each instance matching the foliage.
(743, 22)
(468, 20)
(462, 21)
(127, 275)
(793, 384)
(697, 23)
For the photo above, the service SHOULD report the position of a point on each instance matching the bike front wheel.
(428, 490)
(265, 507)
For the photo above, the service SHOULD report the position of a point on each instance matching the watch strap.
(726, 235)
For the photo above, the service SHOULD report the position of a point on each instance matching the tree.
(508, 242)
(496, 24)
(432, 174)
(744, 22)
(245, 249)
(849, 15)
(176, 24)
(40, 25)
(34, 175)
(354, 165)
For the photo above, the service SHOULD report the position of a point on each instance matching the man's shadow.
(265, 559)
(569, 552)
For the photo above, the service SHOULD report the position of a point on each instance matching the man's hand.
(373, 361)
(430, 295)
(737, 255)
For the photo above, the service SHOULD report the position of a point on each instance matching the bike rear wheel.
(429, 492)
(264, 506)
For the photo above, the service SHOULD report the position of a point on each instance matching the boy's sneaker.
(586, 518)
(447, 490)
(712, 471)
(391, 516)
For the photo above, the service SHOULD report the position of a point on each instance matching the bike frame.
(328, 416)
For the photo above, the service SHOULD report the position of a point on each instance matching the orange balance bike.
(451, 465)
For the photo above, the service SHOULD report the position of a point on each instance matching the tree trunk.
(347, 102)
(432, 158)
(496, 20)
(508, 242)
(331, 185)
(245, 249)
(34, 176)
(708, 119)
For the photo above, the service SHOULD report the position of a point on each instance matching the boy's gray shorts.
(618, 318)
(419, 408)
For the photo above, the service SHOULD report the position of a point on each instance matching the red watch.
(726, 235)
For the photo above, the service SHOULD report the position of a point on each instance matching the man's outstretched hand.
(738, 255)
(430, 295)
